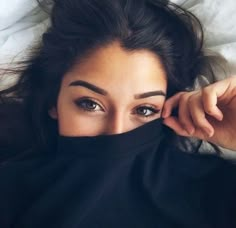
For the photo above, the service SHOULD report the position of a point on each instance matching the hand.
(208, 114)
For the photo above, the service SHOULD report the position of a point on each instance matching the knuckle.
(184, 96)
(193, 98)
(207, 91)
(184, 101)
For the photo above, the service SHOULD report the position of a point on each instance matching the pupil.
(91, 105)
(143, 111)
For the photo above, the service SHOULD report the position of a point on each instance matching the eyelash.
(81, 103)
(85, 101)
(149, 108)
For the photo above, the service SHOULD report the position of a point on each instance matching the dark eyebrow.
(150, 94)
(89, 86)
(103, 92)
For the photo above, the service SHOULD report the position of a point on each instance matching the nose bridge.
(117, 123)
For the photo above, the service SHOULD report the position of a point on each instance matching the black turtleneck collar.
(112, 145)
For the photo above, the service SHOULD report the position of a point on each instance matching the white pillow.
(219, 22)
(22, 22)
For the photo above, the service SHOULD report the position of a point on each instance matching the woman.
(94, 98)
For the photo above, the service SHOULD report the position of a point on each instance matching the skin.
(117, 107)
(121, 76)
(208, 114)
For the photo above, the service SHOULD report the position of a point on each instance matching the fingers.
(174, 124)
(182, 124)
(207, 114)
(198, 114)
(220, 92)
(184, 115)
(170, 104)
(180, 100)
(209, 100)
(198, 111)
(191, 120)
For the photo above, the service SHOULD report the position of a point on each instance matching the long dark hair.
(80, 26)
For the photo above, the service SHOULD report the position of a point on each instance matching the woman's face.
(112, 91)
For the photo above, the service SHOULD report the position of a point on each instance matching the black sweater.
(128, 180)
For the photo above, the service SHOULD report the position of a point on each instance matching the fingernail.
(220, 117)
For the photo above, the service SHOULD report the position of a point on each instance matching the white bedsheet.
(22, 23)
(219, 21)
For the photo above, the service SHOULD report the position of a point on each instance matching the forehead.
(113, 64)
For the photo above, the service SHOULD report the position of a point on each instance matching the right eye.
(88, 105)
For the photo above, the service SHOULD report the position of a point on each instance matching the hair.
(80, 26)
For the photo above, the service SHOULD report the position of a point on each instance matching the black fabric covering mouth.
(111, 145)
(136, 179)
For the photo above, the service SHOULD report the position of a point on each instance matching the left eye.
(146, 111)
(89, 105)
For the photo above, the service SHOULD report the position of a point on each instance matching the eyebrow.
(103, 92)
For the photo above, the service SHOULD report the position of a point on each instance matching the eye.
(146, 111)
(87, 104)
